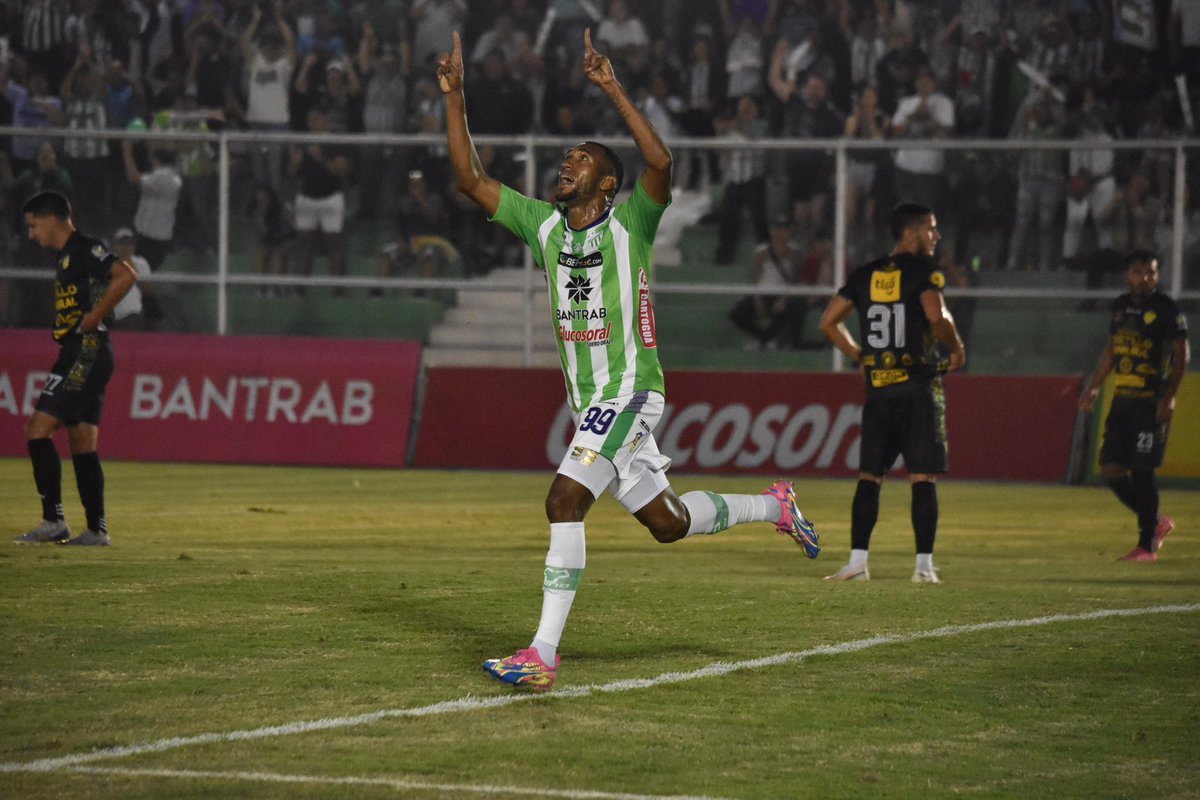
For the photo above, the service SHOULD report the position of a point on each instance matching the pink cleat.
(791, 522)
(1139, 554)
(523, 668)
(1162, 530)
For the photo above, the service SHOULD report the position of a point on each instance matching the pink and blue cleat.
(523, 668)
(791, 522)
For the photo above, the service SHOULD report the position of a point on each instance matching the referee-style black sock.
(90, 478)
(863, 514)
(924, 514)
(1147, 508)
(47, 476)
(1125, 491)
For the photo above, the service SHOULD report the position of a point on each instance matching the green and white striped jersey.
(599, 284)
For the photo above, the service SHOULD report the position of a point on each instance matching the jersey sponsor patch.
(645, 313)
(578, 288)
(592, 337)
(584, 456)
(1149, 317)
(580, 262)
(888, 377)
(885, 286)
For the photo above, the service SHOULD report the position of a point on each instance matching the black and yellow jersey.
(1143, 332)
(899, 350)
(84, 269)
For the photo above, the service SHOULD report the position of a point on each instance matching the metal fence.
(219, 268)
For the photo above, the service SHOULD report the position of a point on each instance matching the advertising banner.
(1001, 428)
(243, 400)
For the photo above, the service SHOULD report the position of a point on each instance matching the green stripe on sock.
(562, 579)
(722, 520)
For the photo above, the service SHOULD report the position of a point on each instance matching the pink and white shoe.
(524, 668)
(1162, 530)
(1139, 554)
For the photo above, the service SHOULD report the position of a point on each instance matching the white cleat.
(921, 576)
(850, 572)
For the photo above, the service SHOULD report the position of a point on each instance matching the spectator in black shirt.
(320, 172)
(502, 104)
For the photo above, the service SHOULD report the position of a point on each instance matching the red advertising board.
(1001, 428)
(246, 400)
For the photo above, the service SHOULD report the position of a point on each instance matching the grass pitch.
(240, 598)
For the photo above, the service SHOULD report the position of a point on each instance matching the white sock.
(712, 512)
(858, 558)
(564, 568)
(924, 562)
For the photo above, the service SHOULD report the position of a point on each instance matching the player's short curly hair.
(48, 204)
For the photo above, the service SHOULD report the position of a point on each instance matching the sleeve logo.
(937, 278)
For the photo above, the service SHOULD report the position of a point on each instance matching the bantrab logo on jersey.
(885, 285)
(578, 288)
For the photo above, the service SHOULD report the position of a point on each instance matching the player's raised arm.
(656, 178)
(470, 179)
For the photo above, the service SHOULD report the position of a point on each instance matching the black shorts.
(911, 424)
(74, 390)
(1132, 436)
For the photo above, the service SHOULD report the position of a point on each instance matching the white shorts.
(326, 213)
(614, 449)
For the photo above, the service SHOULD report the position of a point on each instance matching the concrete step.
(487, 357)
(507, 337)
(490, 316)
(508, 300)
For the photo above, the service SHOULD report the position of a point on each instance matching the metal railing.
(550, 148)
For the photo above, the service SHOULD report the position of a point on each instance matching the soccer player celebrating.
(902, 315)
(597, 259)
(87, 287)
(1148, 347)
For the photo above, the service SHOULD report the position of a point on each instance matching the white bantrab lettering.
(570, 315)
(253, 399)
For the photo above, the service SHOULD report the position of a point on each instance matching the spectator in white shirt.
(130, 313)
(159, 188)
(928, 114)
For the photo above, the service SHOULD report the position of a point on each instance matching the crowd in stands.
(881, 70)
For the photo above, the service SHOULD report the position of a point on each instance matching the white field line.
(391, 783)
(471, 703)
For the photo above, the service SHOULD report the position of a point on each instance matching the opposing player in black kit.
(88, 284)
(902, 315)
(1148, 348)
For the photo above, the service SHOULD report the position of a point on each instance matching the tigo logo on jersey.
(645, 313)
(885, 286)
